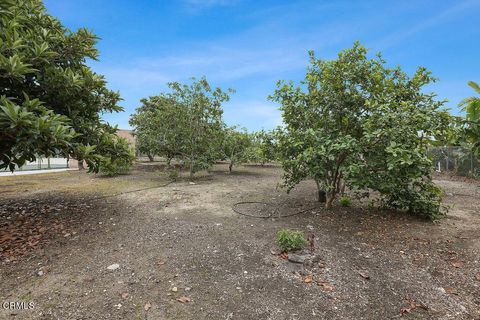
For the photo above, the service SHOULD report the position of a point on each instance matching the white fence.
(45, 164)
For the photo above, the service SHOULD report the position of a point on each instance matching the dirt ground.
(183, 253)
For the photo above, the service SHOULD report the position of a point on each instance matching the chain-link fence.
(456, 160)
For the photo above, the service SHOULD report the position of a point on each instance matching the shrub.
(289, 240)
(372, 203)
(173, 175)
(115, 167)
(422, 198)
(345, 201)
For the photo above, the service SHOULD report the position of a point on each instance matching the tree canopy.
(156, 125)
(355, 120)
(185, 123)
(471, 106)
(235, 145)
(50, 100)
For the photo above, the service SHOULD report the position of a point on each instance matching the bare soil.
(183, 253)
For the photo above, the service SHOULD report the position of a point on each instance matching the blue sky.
(248, 45)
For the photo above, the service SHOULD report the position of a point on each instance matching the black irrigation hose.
(271, 215)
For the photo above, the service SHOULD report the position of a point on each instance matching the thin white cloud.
(259, 114)
(132, 76)
(226, 64)
(269, 50)
(196, 6)
(437, 19)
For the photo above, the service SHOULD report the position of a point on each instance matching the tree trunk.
(150, 157)
(342, 189)
(169, 161)
(80, 165)
(321, 194)
(230, 167)
(191, 168)
(330, 198)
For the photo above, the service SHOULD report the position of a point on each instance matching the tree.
(201, 124)
(158, 127)
(51, 100)
(267, 146)
(263, 147)
(354, 120)
(185, 123)
(117, 157)
(471, 106)
(235, 146)
(30, 130)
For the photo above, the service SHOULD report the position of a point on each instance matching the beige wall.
(127, 134)
(73, 163)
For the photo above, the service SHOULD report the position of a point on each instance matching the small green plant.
(289, 240)
(173, 175)
(345, 201)
(115, 167)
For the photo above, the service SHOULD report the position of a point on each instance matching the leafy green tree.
(471, 106)
(145, 131)
(235, 146)
(157, 126)
(267, 146)
(118, 155)
(262, 148)
(185, 123)
(51, 100)
(354, 120)
(30, 130)
(201, 122)
(146, 141)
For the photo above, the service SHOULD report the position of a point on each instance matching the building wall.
(73, 163)
(127, 134)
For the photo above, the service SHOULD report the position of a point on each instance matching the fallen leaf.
(284, 256)
(412, 305)
(125, 295)
(364, 274)
(308, 278)
(457, 264)
(325, 286)
(451, 290)
(147, 306)
(477, 276)
(274, 252)
(183, 299)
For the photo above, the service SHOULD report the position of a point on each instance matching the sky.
(249, 45)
